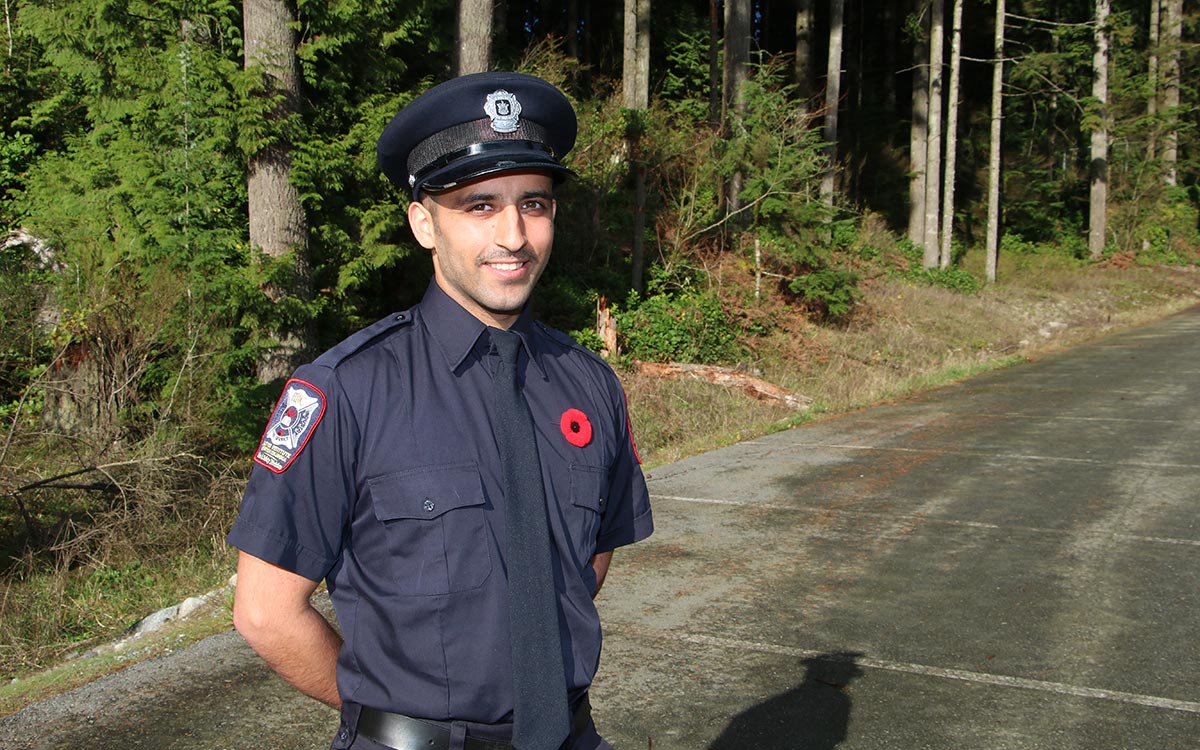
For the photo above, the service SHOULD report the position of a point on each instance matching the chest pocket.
(434, 522)
(589, 500)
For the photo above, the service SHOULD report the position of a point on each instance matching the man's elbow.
(267, 598)
(250, 619)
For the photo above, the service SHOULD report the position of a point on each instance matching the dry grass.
(904, 338)
(146, 532)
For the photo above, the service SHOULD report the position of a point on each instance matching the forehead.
(507, 186)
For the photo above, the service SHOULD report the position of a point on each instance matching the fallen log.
(729, 378)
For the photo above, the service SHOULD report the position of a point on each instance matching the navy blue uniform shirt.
(379, 472)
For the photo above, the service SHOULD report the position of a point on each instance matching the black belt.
(406, 733)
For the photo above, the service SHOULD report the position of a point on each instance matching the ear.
(420, 220)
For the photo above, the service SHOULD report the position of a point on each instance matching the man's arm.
(271, 610)
(600, 563)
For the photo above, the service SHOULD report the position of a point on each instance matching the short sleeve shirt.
(379, 472)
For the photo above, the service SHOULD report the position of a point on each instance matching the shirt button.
(428, 505)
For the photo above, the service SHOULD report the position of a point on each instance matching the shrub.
(831, 292)
(953, 278)
(685, 326)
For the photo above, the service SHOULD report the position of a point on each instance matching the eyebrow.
(482, 197)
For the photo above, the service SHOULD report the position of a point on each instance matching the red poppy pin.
(576, 428)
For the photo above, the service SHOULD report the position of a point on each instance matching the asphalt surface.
(1010, 562)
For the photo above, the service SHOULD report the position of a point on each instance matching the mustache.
(523, 255)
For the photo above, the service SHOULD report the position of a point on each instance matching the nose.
(510, 229)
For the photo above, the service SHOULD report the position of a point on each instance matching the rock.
(190, 605)
(153, 622)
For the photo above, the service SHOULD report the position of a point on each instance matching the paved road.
(1012, 562)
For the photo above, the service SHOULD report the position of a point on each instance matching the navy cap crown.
(475, 126)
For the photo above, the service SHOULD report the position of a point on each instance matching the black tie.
(540, 720)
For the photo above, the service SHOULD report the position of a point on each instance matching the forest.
(190, 207)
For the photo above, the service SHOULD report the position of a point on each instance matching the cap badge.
(504, 110)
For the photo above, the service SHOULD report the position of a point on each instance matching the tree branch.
(729, 378)
(102, 468)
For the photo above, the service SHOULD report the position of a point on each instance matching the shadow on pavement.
(813, 715)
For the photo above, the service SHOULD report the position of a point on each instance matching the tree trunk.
(636, 96)
(946, 253)
(933, 154)
(855, 40)
(918, 141)
(1155, 44)
(993, 225)
(635, 74)
(473, 42)
(278, 225)
(715, 90)
(833, 88)
(737, 72)
(803, 70)
(573, 29)
(1098, 171)
(1171, 83)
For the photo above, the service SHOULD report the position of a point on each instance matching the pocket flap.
(426, 492)
(589, 486)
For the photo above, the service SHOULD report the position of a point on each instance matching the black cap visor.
(484, 160)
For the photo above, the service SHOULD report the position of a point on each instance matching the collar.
(457, 331)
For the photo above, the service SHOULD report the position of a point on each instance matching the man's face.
(490, 241)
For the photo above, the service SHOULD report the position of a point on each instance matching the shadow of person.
(814, 715)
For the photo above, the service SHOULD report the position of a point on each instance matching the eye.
(534, 205)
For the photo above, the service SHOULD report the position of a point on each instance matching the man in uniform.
(458, 474)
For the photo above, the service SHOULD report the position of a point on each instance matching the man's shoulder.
(364, 340)
(582, 360)
(567, 345)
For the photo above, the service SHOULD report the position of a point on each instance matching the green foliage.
(685, 87)
(1169, 230)
(1068, 245)
(143, 196)
(24, 351)
(565, 303)
(1050, 115)
(1012, 243)
(780, 154)
(144, 205)
(832, 292)
(953, 278)
(777, 151)
(361, 62)
(16, 151)
(772, 145)
(687, 325)
(587, 337)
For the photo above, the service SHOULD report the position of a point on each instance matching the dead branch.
(729, 378)
(102, 468)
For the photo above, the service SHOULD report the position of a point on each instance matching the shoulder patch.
(297, 414)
